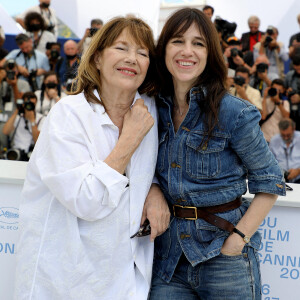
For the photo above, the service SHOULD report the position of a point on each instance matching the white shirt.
(23, 136)
(45, 37)
(77, 214)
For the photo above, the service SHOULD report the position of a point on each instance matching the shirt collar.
(99, 108)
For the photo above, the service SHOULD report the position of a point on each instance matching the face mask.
(34, 27)
(54, 54)
(51, 85)
(71, 56)
(45, 5)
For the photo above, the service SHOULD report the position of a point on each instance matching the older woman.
(210, 142)
(89, 176)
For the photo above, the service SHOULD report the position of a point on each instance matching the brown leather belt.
(207, 213)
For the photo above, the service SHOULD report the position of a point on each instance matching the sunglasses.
(144, 230)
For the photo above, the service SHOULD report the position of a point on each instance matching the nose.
(131, 57)
(187, 49)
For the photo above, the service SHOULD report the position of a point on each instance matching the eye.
(120, 48)
(143, 53)
(177, 41)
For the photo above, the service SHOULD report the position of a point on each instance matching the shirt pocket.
(203, 162)
(162, 151)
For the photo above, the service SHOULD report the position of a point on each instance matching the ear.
(97, 60)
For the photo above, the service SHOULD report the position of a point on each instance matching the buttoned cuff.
(114, 183)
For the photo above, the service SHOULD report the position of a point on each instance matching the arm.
(9, 125)
(13, 84)
(81, 42)
(249, 223)
(265, 179)
(88, 185)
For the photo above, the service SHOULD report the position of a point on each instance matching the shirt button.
(174, 165)
(183, 236)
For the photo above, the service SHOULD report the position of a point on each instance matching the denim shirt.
(212, 174)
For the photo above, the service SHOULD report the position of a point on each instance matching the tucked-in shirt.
(287, 157)
(270, 127)
(77, 213)
(37, 61)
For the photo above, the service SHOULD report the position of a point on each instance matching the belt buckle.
(195, 208)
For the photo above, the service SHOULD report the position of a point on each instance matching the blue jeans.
(220, 278)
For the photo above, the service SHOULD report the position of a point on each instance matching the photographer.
(31, 64)
(84, 43)
(69, 66)
(243, 90)
(273, 49)
(234, 55)
(48, 14)
(292, 83)
(49, 94)
(24, 125)
(11, 89)
(249, 39)
(286, 149)
(36, 30)
(275, 107)
(261, 76)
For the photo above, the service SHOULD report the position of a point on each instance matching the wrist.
(244, 237)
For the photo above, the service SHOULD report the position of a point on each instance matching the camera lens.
(272, 92)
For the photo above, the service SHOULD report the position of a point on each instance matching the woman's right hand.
(137, 123)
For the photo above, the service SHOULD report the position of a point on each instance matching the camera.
(262, 67)
(10, 74)
(93, 31)
(292, 93)
(22, 105)
(16, 154)
(239, 80)
(267, 42)
(234, 52)
(270, 30)
(226, 28)
(11, 64)
(272, 92)
(32, 80)
(54, 54)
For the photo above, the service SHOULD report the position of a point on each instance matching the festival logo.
(9, 215)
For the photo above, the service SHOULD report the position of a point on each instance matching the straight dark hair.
(213, 78)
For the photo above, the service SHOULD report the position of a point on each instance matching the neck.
(117, 103)
(180, 92)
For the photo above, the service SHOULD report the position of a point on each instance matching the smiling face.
(124, 64)
(186, 57)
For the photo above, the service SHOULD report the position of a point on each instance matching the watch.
(244, 237)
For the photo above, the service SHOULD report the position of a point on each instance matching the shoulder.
(235, 111)
(40, 54)
(275, 140)
(12, 54)
(297, 136)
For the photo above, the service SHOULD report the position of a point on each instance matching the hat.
(233, 40)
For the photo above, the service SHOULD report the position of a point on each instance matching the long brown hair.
(213, 78)
(88, 77)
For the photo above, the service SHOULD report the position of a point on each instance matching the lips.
(127, 71)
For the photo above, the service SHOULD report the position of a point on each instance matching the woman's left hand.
(233, 245)
(156, 210)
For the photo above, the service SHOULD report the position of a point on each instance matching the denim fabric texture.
(220, 278)
(211, 175)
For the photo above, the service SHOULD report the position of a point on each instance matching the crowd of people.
(256, 71)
